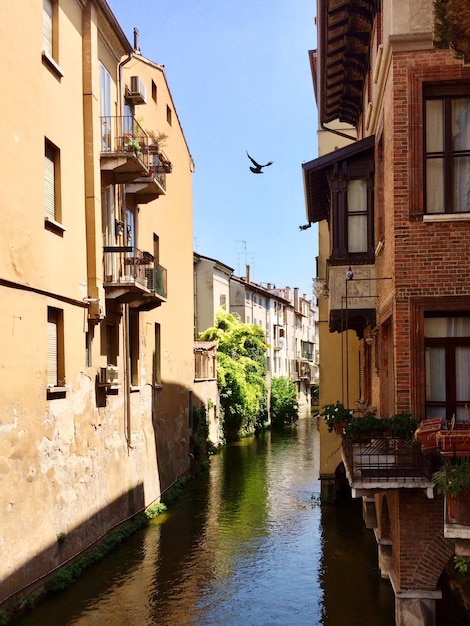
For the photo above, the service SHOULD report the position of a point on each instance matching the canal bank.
(248, 543)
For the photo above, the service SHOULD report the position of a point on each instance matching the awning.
(315, 174)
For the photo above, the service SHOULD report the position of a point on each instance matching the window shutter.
(52, 374)
(47, 27)
(49, 187)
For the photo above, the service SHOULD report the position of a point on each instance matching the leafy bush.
(241, 371)
(402, 425)
(367, 426)
(453, 478)
(284, 407)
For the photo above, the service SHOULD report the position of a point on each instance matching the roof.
(316, 176)
(345, 29)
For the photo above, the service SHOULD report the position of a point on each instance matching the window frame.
(50, 37)
(52, 187)
(447, 93)
(55, 369)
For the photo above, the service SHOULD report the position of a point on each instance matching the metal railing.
(386, 459)
(124, 134)
(129, 265)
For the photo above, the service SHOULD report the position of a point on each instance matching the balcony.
(129, 156)
(304, 371)
(385, 462)
(151, 185)
(352, 301)
(133, 276)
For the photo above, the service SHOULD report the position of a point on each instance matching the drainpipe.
(336, 132)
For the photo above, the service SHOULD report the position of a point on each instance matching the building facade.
(390, 191)
(96, 252)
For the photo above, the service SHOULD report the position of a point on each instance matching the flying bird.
(257, 167)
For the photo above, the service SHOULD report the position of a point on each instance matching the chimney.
(136, 40)
(248, 277)
(296, 298)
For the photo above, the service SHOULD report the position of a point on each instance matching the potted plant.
(366, 427)
(402, 425)
(426, 433)
(132, 145)
(453, 481)
(454, 442)
(336, 416)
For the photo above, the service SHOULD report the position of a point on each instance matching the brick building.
(391, 193)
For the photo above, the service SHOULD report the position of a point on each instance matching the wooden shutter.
(47, 27)
(49, 183)
(52, 348)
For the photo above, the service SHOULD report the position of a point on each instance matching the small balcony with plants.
(133, 276)
(379, 454)
(130, 155)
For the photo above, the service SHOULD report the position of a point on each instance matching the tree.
(241, 371)
(284, 407)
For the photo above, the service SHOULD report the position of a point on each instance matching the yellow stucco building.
(97, 361)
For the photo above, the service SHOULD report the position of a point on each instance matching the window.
(55, 348)
(168, 115)
(51, 182)
(105, 110)
(447, 149)
(223, 301)
(357, 216)
(154, 92)
(47, 27)
(447, 363)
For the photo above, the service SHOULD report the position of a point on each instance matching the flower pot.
(426, 434)
(458, 509)
(454, 442)
(339, 427)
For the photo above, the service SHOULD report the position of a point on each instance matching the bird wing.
(270, 163)
(253, 161)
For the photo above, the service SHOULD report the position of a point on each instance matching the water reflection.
(247, 544)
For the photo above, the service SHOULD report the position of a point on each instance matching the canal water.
(247, 544)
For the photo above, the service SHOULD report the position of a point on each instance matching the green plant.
(367, 426)
(241, 371)
(453, 478)
(284, 406)
(402, 425)
(132, 145)
(462, 565)
(61, 538)
(155, 509)
(336, 413)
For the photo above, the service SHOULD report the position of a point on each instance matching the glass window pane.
(434, 186)
(447, 327)
(357, 233)
(461, 123)
(434, 126)
(435, 375)
(462, 371)
(462, 184)
(357, 196)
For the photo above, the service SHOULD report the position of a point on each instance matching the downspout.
(336, 132)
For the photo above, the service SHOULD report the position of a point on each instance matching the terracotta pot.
(458, 509)
(426, 434)
(454, 442)
(339, 427)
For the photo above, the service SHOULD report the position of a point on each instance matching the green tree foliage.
(241, 371)
(284, 407)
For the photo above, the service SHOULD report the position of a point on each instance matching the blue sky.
(240, 78)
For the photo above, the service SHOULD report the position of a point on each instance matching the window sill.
(56, 392)
(446, 217)
(52, 65)
(53, 226)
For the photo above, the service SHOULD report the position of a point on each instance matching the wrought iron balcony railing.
(129, 266)
(386, 462)
(123, 135)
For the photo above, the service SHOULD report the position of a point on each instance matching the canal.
(248, 543)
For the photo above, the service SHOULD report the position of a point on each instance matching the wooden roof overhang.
(345, 30)
(315, 174)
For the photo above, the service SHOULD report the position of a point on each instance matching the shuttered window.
(47, 27)
(55, 352)
(49, 182)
